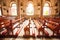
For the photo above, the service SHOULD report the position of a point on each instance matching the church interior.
(30, 18)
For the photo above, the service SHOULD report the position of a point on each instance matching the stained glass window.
(46, 9)
(30, 9)
(0, 12)
(14, 10)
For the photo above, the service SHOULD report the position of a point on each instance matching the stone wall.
(22, 4)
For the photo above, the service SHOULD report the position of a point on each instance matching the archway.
(13, 9)
(46, 9)
(0, 12)
(30, 9)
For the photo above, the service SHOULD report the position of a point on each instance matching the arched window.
(14, 9)
(46, 9)
(0, 12)
(30, 9)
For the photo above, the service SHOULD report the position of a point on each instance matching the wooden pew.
(4, 23)
(8, 25)
(17, 27)
(53, 25)
(40, 28)
(27, 31)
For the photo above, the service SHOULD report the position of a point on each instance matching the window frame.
(10, 13)
(49, 6)
(30, 3)
(1, 11)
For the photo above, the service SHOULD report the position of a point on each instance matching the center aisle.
(33, 30)
(34, 25)
(23, 25)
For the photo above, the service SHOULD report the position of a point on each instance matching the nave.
(34, 25)
(29, 19)
(30, 27)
